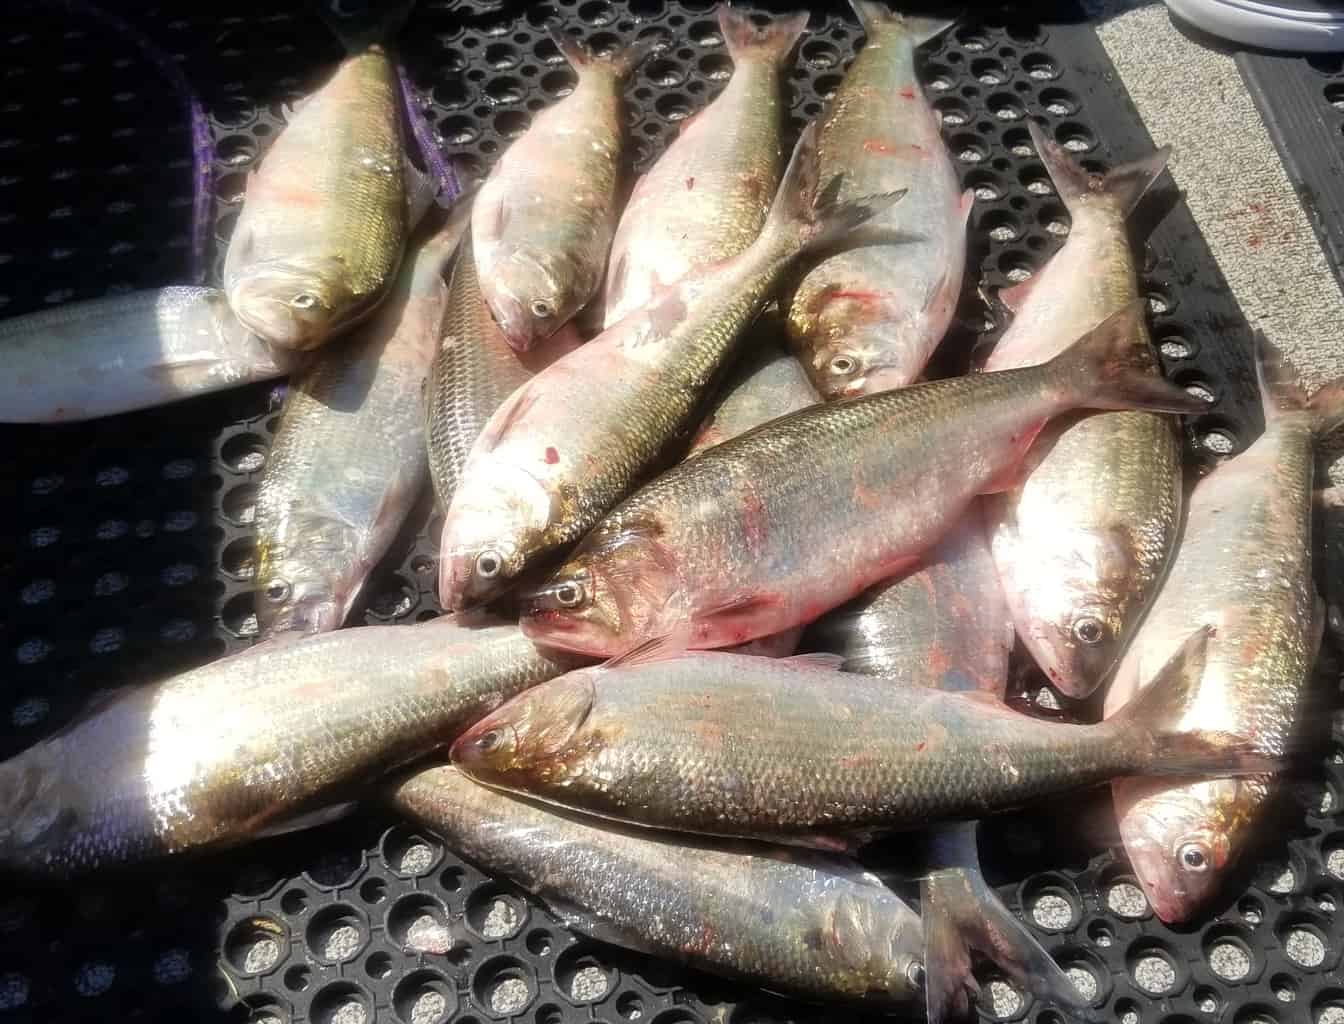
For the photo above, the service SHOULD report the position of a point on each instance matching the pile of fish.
(746, 450)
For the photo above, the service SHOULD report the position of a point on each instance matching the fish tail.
(774, 43)
(878, 17)
(1155, 729)
(360, 31)
(1281, 391)
(805, 215)
(1122, 186)
(961, 914)
(619, 63)
(1109, 367)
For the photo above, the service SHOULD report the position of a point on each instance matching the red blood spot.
(1254, 241)
(844, 293)
(690, 184)
(753, 520)
(907, 93)
(878, 146)
(552, 456)
(919, 747)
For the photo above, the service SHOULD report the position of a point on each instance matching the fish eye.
(542, 310)
(1194, 857)
(489, 564)
(569, 594)
(489, 741)
(915, 974)
(304, 300)
(843, 365)
(277, 591)
(1089, 630)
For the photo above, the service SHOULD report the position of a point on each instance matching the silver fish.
(348, 459)
(817, 927)
(222, 753)
(112, 355)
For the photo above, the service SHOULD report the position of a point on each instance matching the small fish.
(945, 624)
(868, 318)
(1243, 574)
(241, 746)
(572, 441)
(1082, 540)
(474, 371)
(770, 529)
(112, 355)
(544, 217)
(327, 214)
(817, 927)
(707, 196)
(348, 459)
(787, 749)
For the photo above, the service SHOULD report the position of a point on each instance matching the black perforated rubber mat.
(126, 545)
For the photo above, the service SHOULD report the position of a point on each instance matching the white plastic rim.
(1266, 26)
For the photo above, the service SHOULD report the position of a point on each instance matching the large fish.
(348, 459)
(106, 356)
(474, 371)
(868, 318)
(945, 624)
(821, 927)
(773, 528)
(327, 214)
(1082, 540)
(544, 218)
(573, 440)
(785, 749)
(1242, 571)
(707, 196)
(241, 746)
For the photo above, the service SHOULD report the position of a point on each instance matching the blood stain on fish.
(552, 456)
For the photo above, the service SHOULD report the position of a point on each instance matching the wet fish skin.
(817, 927)
(561, 452)
(766, 383)
(1244, 570)
(327, 214)
(218, 754)
(1081, 542)
(786, 749)
(101, 357)
(473, 372)
(773, 528)
(869, 317)
(348, 459)
(707, 196)
(944, 623)
(544, 218)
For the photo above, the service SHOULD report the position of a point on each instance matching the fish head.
(879, 944)
(868, 358)
(1181, 840)
(532, 740)
(492, 530)
(304, 579)
(34, 812)
(532, 294)
(1079, 609)
(619, 589)
(294, 304)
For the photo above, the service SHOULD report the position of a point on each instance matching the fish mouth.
(556, 629)
(271, 320)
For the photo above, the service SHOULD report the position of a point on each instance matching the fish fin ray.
(1123, 186)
